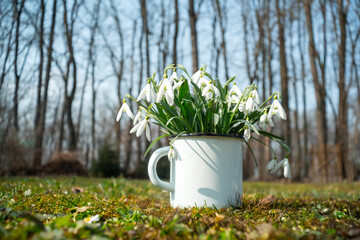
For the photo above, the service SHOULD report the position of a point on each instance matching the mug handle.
(154, 178)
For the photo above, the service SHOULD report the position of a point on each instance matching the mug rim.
(208, 134)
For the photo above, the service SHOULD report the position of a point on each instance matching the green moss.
(55, 208)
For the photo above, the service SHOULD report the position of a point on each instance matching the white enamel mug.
(207, 171)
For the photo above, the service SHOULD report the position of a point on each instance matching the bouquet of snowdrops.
(201, 104)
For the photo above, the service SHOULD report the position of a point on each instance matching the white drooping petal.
(149, 92)
(195, 77)
(250, 105)
(142, 126)
(120, 113)
(235, 90)
(202, 83)
(287, 171)
(124, 108)
(147, 127)
(265, 121)
(255, 94)
(169, 100)
(242, 106)
(172, 154)
(160, 94)
(277, 109)
(128, 111)
(262, 122)
(247, 133)
(172, 77)
(271, 166)
(136, 127)
(167, 90)
(178, 85)
(210, 91)
(138, 117)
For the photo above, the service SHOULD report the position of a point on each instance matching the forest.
(66, 66)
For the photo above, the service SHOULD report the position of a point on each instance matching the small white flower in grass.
(256, 96)
(272, 165)
(140, 127)
(167, 90)
(195, 78)
(265, 120)
(92, 219)
(138, 117)
(172, 154)
(277, 110)
(172, 77)
(147, 92)
(27, 193)
(210, 91)
(124, 108)
(202, 83)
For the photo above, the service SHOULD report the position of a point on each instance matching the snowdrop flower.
(242, 106)
(92, 219)
(195, 78)
(250, 105)
(178, 84)
(124, 108)
(172, 77)
(277, 109)
(140, 127)
(27, 192)
(202, 83)
(167, 90)
(247, 133)
(265, 120)
(138, 117)
(233, 95)
(272, 165)
(287, 171)
(172, 154)
(256, 96)
(147, 92)
(285, 164)
(210, 91)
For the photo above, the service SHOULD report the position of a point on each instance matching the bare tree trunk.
(37, 124)
(221, 12)
(18, 12)
(176, 31)
(146, 31)
(194, 44)
(129, 149)
(320, 94)
(342, 157)
(283, 72)
(306, 163)
(8, 49)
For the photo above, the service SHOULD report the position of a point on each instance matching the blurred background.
(66, 65)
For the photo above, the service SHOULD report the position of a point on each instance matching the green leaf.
(252, 153)
(270, 135)
(153, 142)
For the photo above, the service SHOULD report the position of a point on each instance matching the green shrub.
(107, 165)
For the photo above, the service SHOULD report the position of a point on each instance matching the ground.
(117, 208)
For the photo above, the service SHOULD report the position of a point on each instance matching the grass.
(56, 208)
